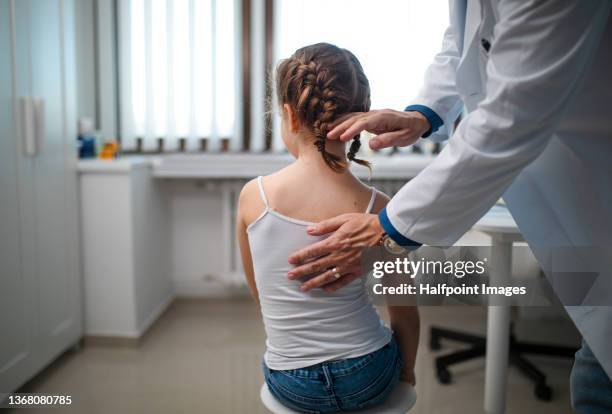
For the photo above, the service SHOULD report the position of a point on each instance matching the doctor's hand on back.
(337, 259)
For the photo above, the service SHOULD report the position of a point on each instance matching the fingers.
(340, 248)
(315, 266)
(341, 125)
(314, 250)
(329, 277)
(323, 247)
(340, 120)
(400, 138)
(357, 125)
(329, 225)
(340, 283)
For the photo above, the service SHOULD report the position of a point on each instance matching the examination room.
(305, 206)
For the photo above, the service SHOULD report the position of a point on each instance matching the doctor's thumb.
(375, 144)
(400, 138)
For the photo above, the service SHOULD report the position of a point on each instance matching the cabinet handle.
(29, 140)
(39, 123)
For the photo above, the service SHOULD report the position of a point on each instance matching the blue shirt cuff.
(434, 119)
(393, 233)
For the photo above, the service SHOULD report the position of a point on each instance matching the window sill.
(119, 166)
(246, 166)
(252, 165)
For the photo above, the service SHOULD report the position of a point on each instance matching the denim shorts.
(591, 388)
(340, 385)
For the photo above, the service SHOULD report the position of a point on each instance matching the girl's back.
(306, 328)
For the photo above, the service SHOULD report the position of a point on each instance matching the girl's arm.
(405, 323)
(243, 238)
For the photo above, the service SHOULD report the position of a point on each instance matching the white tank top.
(307, 328)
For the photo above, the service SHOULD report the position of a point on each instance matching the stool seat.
(400, 401)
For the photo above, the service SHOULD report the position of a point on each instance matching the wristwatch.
(390, 245)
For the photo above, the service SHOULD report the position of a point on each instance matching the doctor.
(534, 79)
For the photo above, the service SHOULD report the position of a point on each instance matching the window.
(178, 73)
(395, 40)
(193, 72)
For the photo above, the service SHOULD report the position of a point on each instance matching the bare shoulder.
(250, 204)
(380, 202)
(250, 189)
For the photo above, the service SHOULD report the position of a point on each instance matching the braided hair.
(322, 82)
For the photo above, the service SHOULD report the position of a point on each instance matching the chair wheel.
(444, 376)
(543, 392)
(434, 344)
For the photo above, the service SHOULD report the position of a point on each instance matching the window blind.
(178, 74)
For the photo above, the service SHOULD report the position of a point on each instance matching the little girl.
(325, 351)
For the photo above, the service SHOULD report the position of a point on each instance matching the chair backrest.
(400, 401)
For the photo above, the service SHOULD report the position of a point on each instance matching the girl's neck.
(310, 159)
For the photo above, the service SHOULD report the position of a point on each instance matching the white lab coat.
(538, 131)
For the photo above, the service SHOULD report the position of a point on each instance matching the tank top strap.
(372, 200)
(262, 193)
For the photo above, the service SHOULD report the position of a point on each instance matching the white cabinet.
(40, 292)
(125, 248)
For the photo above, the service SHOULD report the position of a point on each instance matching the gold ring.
(336, 274)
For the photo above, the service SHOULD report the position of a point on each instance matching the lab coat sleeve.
(438, 92)
(538, 57)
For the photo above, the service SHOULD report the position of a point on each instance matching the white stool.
(400, 401)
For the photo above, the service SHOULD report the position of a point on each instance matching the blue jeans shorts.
(340, 385)
(591, 388)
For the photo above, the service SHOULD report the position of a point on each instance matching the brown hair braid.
(322, 82)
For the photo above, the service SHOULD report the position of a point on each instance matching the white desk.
(499, 224)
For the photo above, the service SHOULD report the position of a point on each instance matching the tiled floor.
(203, 356)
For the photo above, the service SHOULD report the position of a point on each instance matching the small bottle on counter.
(86, 141)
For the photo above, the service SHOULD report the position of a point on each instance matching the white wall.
(199, 252)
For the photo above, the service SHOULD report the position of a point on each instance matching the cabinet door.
(17, 289)
(54, 178)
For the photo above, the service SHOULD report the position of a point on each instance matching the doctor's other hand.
(336, 261)
(392, 128)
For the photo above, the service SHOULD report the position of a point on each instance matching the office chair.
(477, 349)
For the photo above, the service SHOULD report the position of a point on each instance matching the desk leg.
(498, 333)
